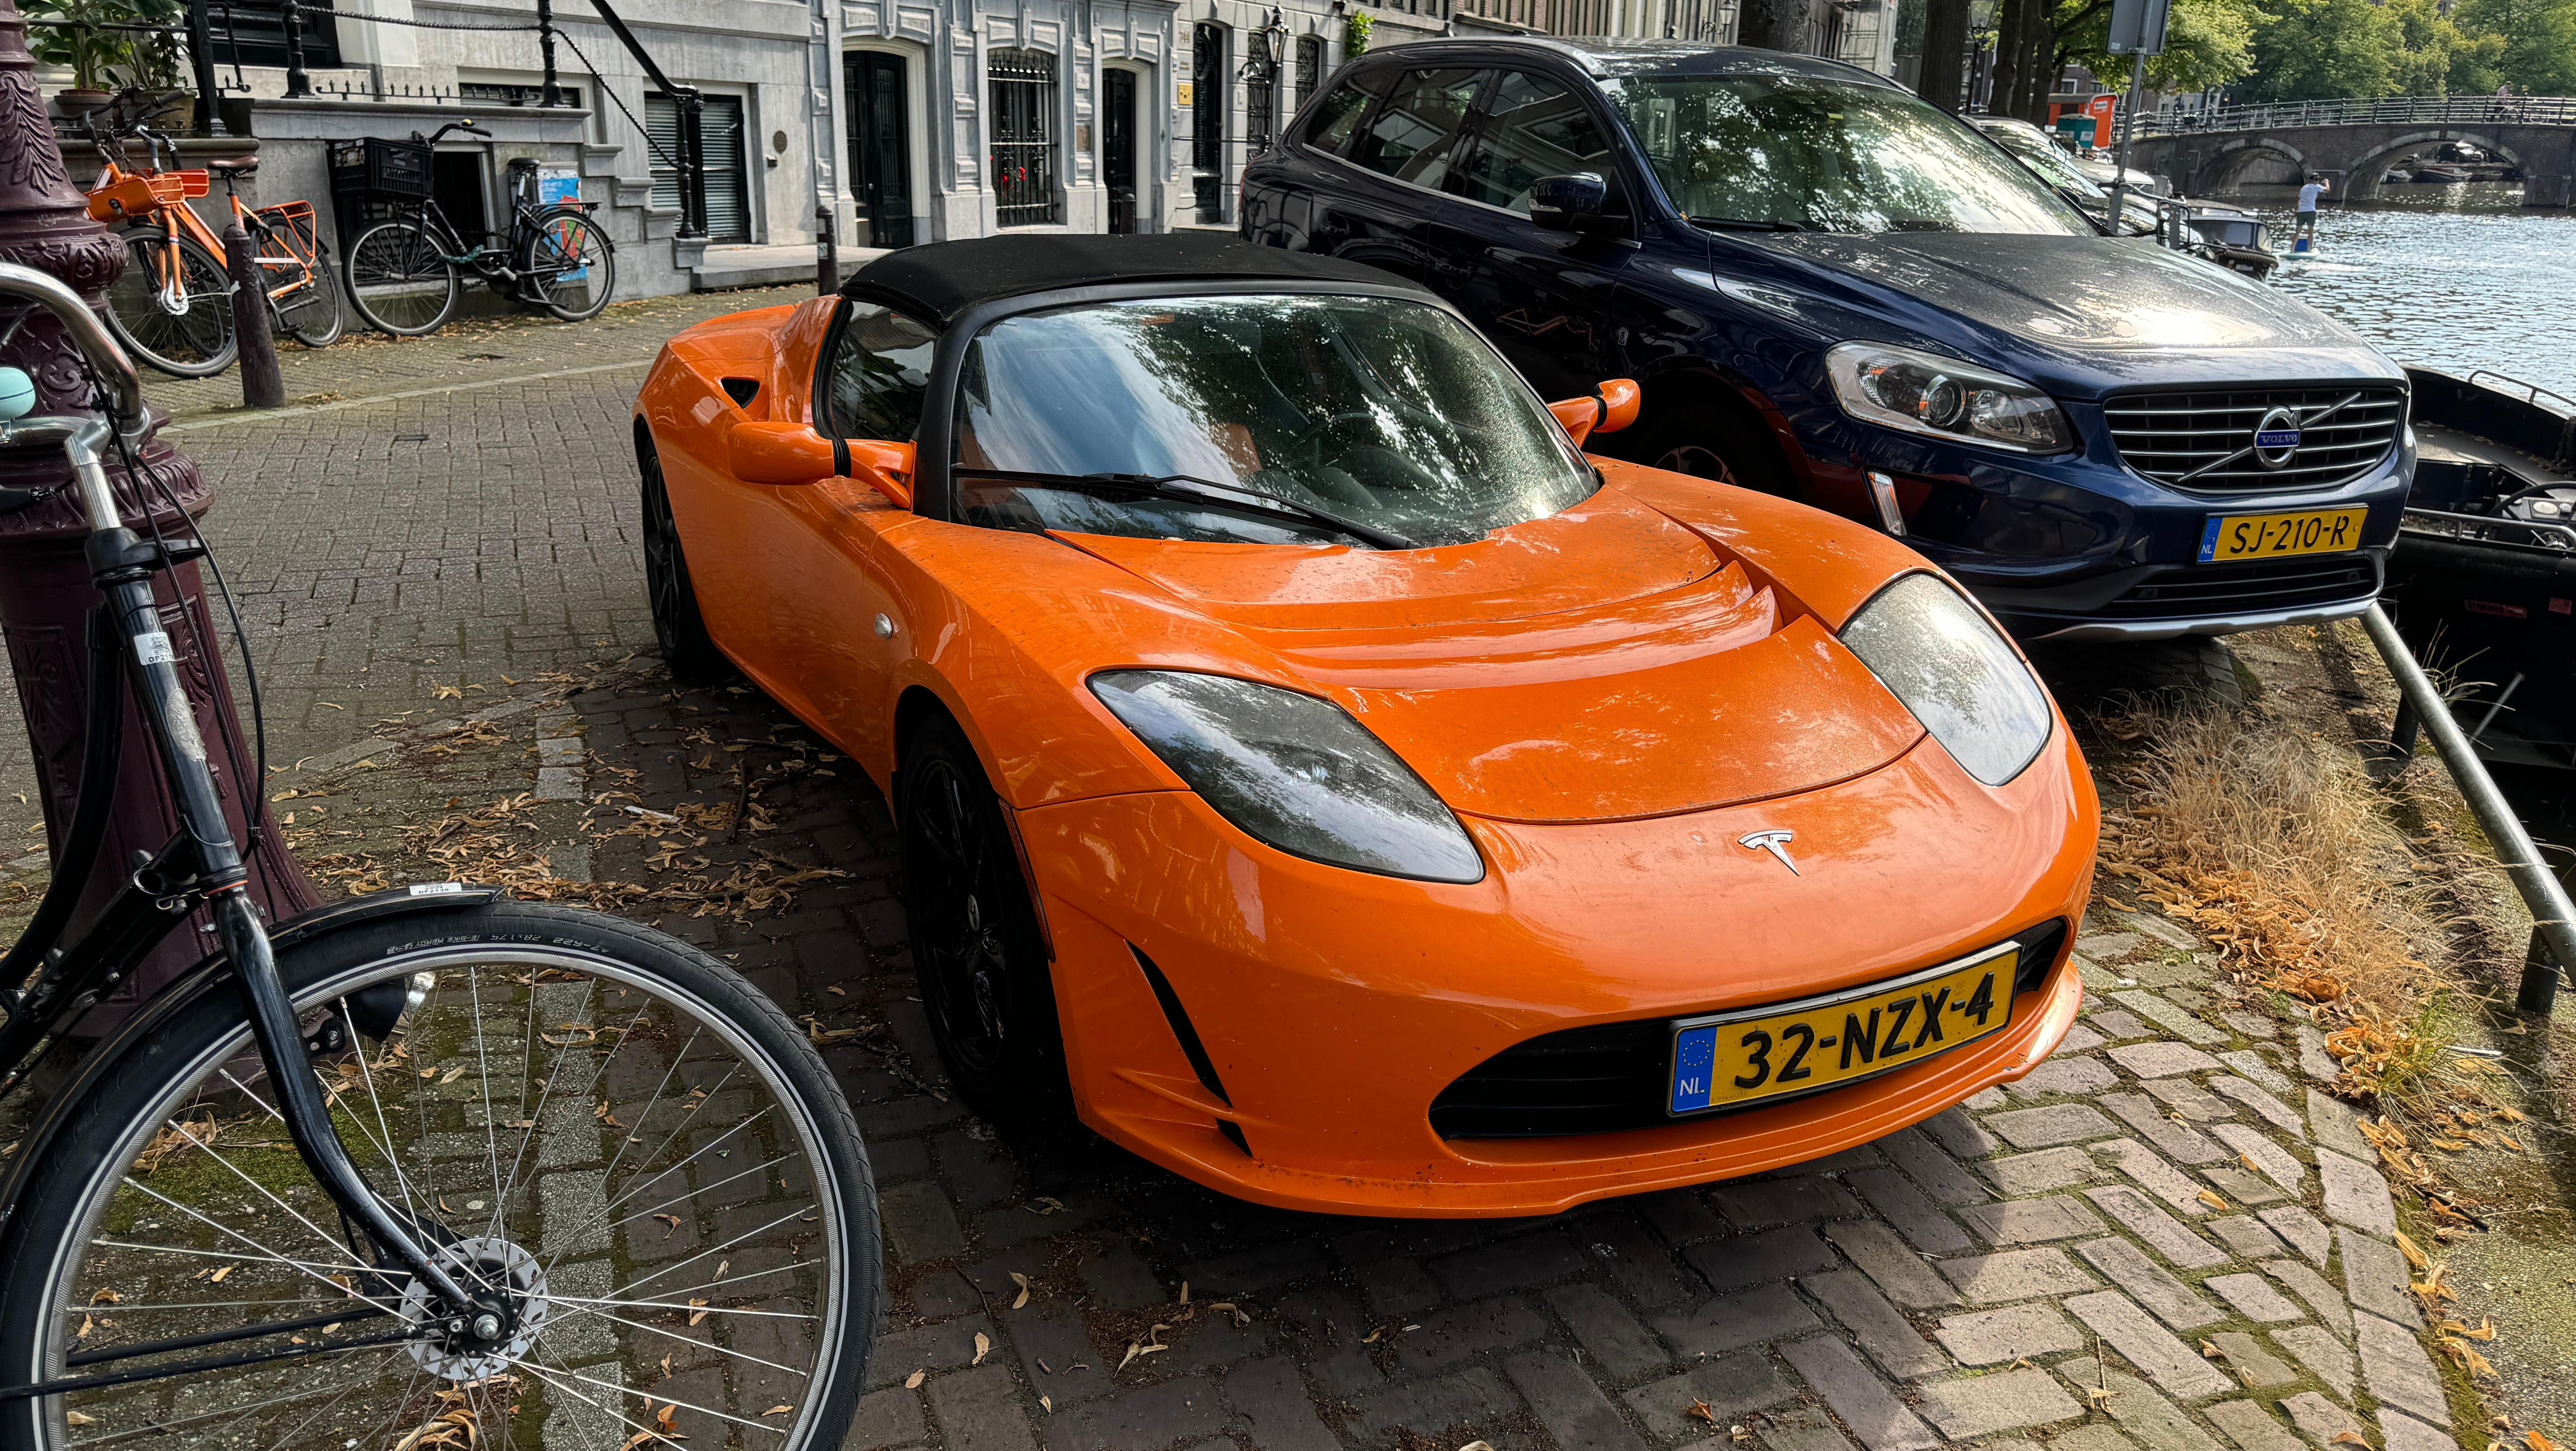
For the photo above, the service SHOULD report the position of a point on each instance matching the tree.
(1945, 44)
(2321, 49)
(2535, 40)
(2207, 43)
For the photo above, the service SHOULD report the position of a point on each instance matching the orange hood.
(1601, 663)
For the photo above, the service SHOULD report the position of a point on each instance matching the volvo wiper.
(1192, 489)
(1749, 224)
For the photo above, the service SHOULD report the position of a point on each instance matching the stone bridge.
(2358, 141)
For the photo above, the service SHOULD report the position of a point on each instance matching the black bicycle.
(407, 272)
(428, 1168)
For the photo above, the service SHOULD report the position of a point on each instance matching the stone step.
(725, 266)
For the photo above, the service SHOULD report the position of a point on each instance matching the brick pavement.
(2167, 1237)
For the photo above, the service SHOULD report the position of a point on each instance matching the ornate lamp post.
(45, 592)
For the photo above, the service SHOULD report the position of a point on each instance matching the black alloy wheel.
(976, 947)
(677, 627)
(1695, 459)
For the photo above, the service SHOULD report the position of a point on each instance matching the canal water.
(2456, 277)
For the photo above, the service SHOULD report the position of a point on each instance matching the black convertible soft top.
(938, 281)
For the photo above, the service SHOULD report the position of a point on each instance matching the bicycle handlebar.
(466, 126)
(90, 335)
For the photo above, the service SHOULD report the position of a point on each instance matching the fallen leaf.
(1477, 1446)
(107, 1297)
(1022, 1281)
(2212, 1351)
(1371, 1337)
(2413, 1255)
(1047, 1404)
(698, 1313)
(777, 1410)
(672, 1220)
(453, 1074)
(983, 1347)
(2350, 1436)
(2099, 1397)
(1185, 1292)
(2210, 1198)
(2484, 1332)
(913, 1381)
(2538, 1442)
(218, 1276)
(1133, 1349)
(1702, 1411)
(77, 1419)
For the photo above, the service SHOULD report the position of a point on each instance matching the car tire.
(1707, 434)
(678, 628)
(977, 949)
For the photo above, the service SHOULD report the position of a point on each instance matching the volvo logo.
(1775, 842)
(2276, 437)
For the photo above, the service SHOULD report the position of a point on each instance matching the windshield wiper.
(1749, 224)
(1205, 491)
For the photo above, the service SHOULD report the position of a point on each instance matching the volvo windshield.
(1255, 419)
(1780, 152)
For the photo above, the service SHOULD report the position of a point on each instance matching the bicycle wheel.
(400, 280)
(634, 1150)
(309, 307)
(172, 306)
(568, 264)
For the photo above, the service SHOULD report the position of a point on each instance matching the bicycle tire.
(793, 1313)
(316, 320)
(195, 340)
(563, 243)
(399, 279)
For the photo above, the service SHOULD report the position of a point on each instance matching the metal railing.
(2368, 111)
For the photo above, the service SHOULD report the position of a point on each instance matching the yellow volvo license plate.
(1730, 1059)
(2269, 536)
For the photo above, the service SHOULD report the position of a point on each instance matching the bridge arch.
(2366, 168)
(2218, 173)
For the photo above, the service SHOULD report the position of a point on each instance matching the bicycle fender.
(210, 973)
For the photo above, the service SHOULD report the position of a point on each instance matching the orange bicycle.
(172, 306)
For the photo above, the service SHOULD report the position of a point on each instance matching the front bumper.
(2080, 546)
(1335, 1006)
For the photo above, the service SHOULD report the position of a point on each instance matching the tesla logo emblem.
(1775, 842)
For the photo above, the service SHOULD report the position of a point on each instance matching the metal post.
(201, 64)
(2553, 918)
(297, 82)
(553, 94)
(2128, 123)
(46, 597)
(262, 385)
(693, 164)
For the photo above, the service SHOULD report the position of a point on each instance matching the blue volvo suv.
(1834, 291)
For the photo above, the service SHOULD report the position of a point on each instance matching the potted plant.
(85, 36)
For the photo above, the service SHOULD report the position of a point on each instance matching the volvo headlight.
(1936, 653)
(1928, 393)
(1294, 771)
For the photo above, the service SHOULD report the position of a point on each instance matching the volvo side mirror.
(1569, 203)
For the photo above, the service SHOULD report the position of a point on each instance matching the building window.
(495, 94)
(253, 32)
(1208, 97)
(1310, 67)
(1023, 122)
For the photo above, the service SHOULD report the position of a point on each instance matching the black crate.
(374, 166)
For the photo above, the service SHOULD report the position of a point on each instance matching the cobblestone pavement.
(2166, 1237)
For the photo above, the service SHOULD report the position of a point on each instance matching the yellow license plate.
(1730, 1059)
(2270, 536)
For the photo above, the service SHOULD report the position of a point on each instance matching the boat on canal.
(2230, 236)
(2483, 580)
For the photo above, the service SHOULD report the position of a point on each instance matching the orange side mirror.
(884, 467)
(1612, 406)
(765, 451)
(1620, 398)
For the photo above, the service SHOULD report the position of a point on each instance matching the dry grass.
(2278, 848)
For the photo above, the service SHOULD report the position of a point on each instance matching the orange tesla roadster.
(1324, 779)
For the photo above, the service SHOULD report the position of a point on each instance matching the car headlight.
(1293, 771)
(1928, 393)
(1937, 654)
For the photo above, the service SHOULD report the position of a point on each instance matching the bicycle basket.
(295, 221)
(135, 196)
(177, 186)
(372, 165)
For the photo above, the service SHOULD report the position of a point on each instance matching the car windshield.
(1387, 414)
(2043, 156)
(1813, 153)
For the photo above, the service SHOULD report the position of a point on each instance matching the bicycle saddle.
(235, 166)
